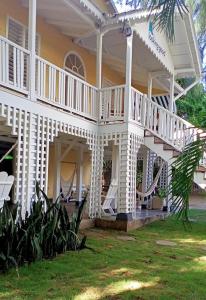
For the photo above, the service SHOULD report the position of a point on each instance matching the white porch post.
(115, 162)
(99, 60)
(57, 169)
(172, 85)
(145, 169)
(32, 48)
(99, 72)
(150, 86)
(128, 75)
(79, 174)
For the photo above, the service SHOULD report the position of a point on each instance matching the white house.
(81, 85)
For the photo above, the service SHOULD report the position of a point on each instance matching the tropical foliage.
(45, 232)
(183, 170)
(198, 8)
(192, 107)
(163, 12)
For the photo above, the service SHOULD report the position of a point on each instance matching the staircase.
(169, 153)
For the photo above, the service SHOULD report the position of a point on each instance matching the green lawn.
(138, 269)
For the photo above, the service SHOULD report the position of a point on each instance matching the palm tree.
(164, 12)
(183, 170)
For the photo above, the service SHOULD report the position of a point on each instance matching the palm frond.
(165, 11)
(182, 173)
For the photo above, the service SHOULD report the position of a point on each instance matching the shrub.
(44, 232)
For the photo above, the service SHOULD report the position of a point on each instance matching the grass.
(137, 269)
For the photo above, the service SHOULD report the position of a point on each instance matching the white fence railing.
(112, 103)
(158, 120)
(62, 89)
(137, 99)
(14, 64)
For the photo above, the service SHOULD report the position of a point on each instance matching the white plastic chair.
(6, 183)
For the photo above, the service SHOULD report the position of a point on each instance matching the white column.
(57, 169)
(115, 162)
(150, 86)
(145, 169)
(79, 174)
(32, 48)
(172, 85)
(99, 60)
(128, 75)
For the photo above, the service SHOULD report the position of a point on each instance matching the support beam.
(172, 90)
(57, 170)
(79, 174)
(99, 61)
(128, 75)
(145, 169)
(150, 87)
(32, 48)
(115, 162)
(66, 152)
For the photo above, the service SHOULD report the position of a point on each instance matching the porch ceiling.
(184, 49)
(72, 17)
(114, 55)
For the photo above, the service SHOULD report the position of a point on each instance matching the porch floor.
(141, 218)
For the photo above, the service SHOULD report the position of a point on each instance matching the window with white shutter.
(18, 34)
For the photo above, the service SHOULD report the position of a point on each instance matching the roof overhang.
(75, 18)
(184, 50)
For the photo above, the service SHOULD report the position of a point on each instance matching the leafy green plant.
(162, 193)
(183, 170)
(44, 232)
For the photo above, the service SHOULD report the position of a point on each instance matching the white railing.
(60, 88)
(168, 126)
(163, 123)
(137, 99)
(112, 103)
(14, 64)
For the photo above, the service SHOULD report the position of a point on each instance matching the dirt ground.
(198, 201)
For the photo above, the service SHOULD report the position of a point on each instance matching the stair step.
(158, 141)
(148, 133)
(201, 169)
(176, 153)
(168, 147)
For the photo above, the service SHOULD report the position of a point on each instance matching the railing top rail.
(112, 87)
(65, 72)
(14, 45)
(138, 92)
(170, 113)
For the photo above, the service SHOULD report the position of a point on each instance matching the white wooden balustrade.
(14, 66)
(112, 103)
(62, 89)
(158, 120)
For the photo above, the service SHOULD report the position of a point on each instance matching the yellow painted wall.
(54, 45)
(67, 168)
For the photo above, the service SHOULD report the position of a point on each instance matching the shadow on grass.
(129, 270)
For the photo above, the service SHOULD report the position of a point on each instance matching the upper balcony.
(60, 89)
(126, 50)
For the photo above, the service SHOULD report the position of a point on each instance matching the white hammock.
(153, 185)
(67, 185)
(8, 152)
